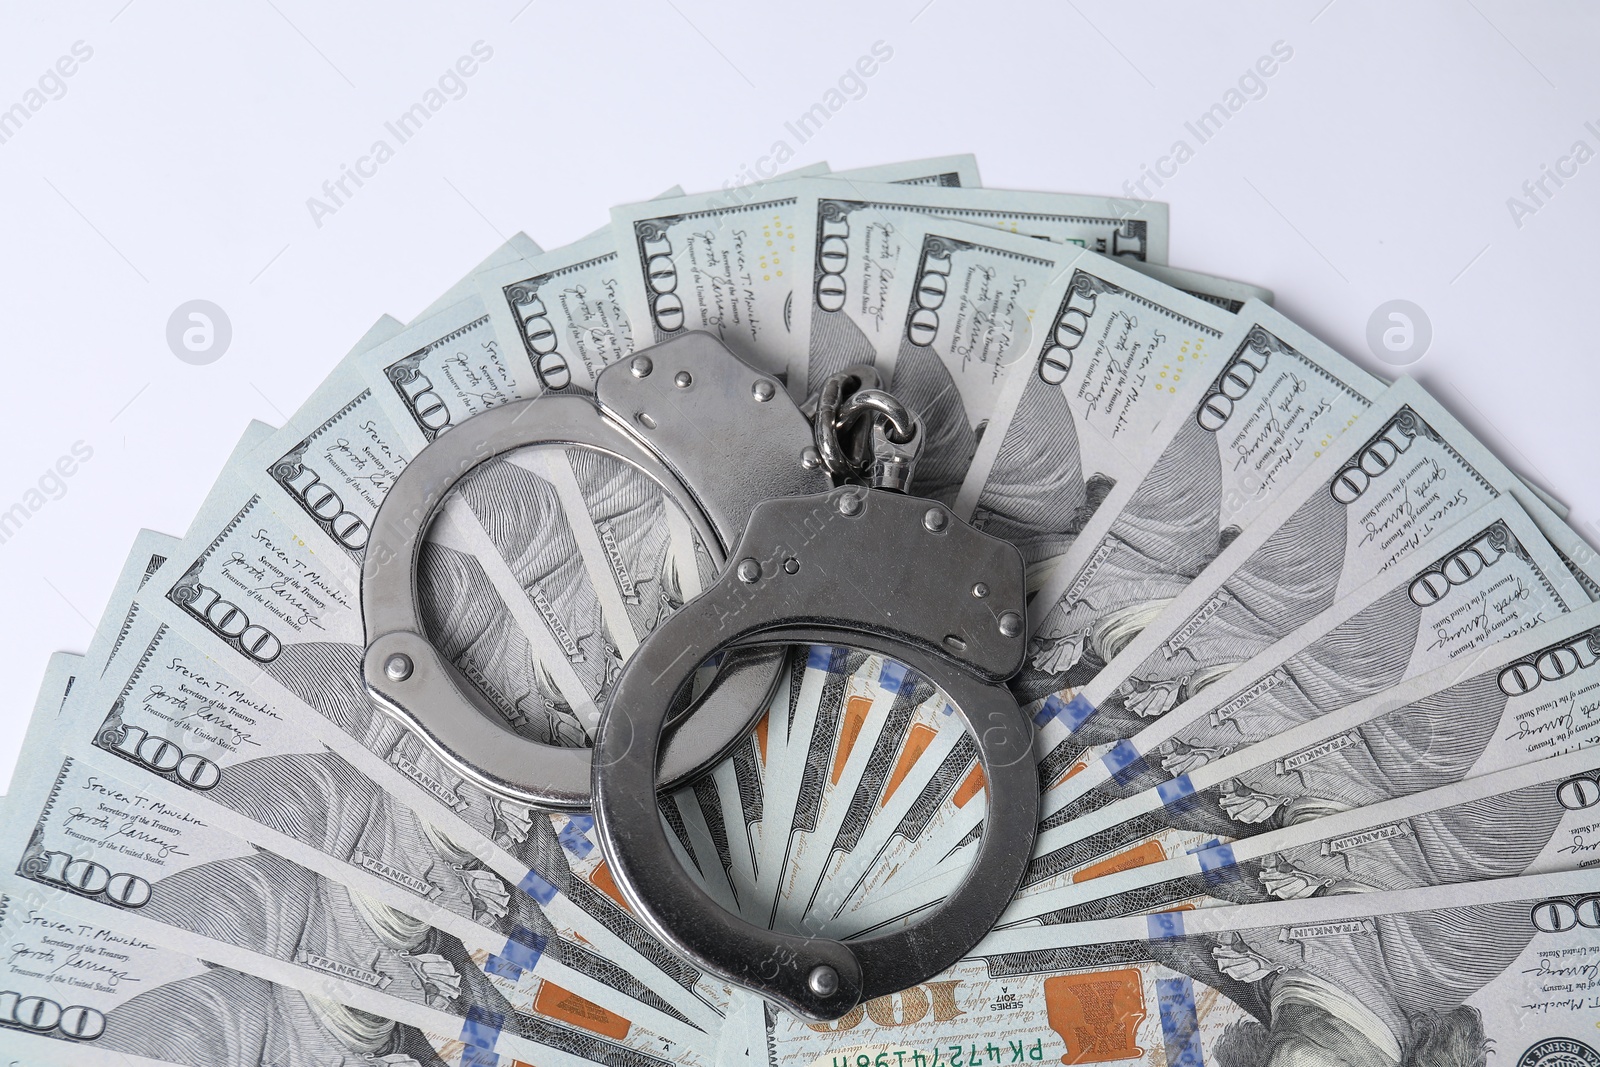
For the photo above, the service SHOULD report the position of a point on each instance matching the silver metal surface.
(729, 449)
(890, 464)
(870, 574)
(823, 411)
(865, 401)
(703, 434)
(397, 668)
(823, 980)
(865, 435)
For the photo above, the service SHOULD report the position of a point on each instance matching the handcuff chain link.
(865, 435)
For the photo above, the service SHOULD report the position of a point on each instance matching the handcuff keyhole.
(954, 643)
(645, 419)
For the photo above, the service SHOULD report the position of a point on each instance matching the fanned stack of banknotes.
(1314, 679)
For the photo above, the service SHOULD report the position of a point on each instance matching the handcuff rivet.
(791, 566)
(641, 366)
(980, 590)
(397, 668)
(749, 571)
(935, 520)
(763, 390)
(1010, 624)
(823, 980)
(850, 504)
(683, 379)
(810, 458)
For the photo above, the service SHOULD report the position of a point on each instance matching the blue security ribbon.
(538, 887)
(521, 953)
(1164, 925)
(1072, 713)
(480, 1032)
(1216, 858)
(574, 836)
(896, 676)
(1124, 762)
(1180, 1022)
(825, 657)
(1175, 791)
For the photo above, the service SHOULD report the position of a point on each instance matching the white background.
(178, 163)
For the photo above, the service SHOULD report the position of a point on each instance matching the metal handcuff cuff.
(859, 564)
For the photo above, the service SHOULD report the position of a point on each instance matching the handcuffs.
(801, 560)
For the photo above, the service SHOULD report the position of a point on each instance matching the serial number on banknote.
(969, 1055)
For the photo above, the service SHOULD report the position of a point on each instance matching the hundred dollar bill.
(1238, 438)
(78, 830)
(193, 736)
(817, 675)
(188, 736)
(937, 782)
(922, 754)
(519, 247)
(851, 250)
(1496, 577)
(281, 616)
(700, 847)
(955, 318)
(564, 311)
(61, 676)
(733, 796)
(334, 462)
(855, 737)
(68, 671)
(1533, 819)
(732, 802)
(1223, 292)
(150, 550)
(1407, 473)
(88, 992)
(448, 367)
(945, 172)
(726, 804)
(1523, 699)
(1429, 976)
(1109, 355)
(816, 700)
(724, 262)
